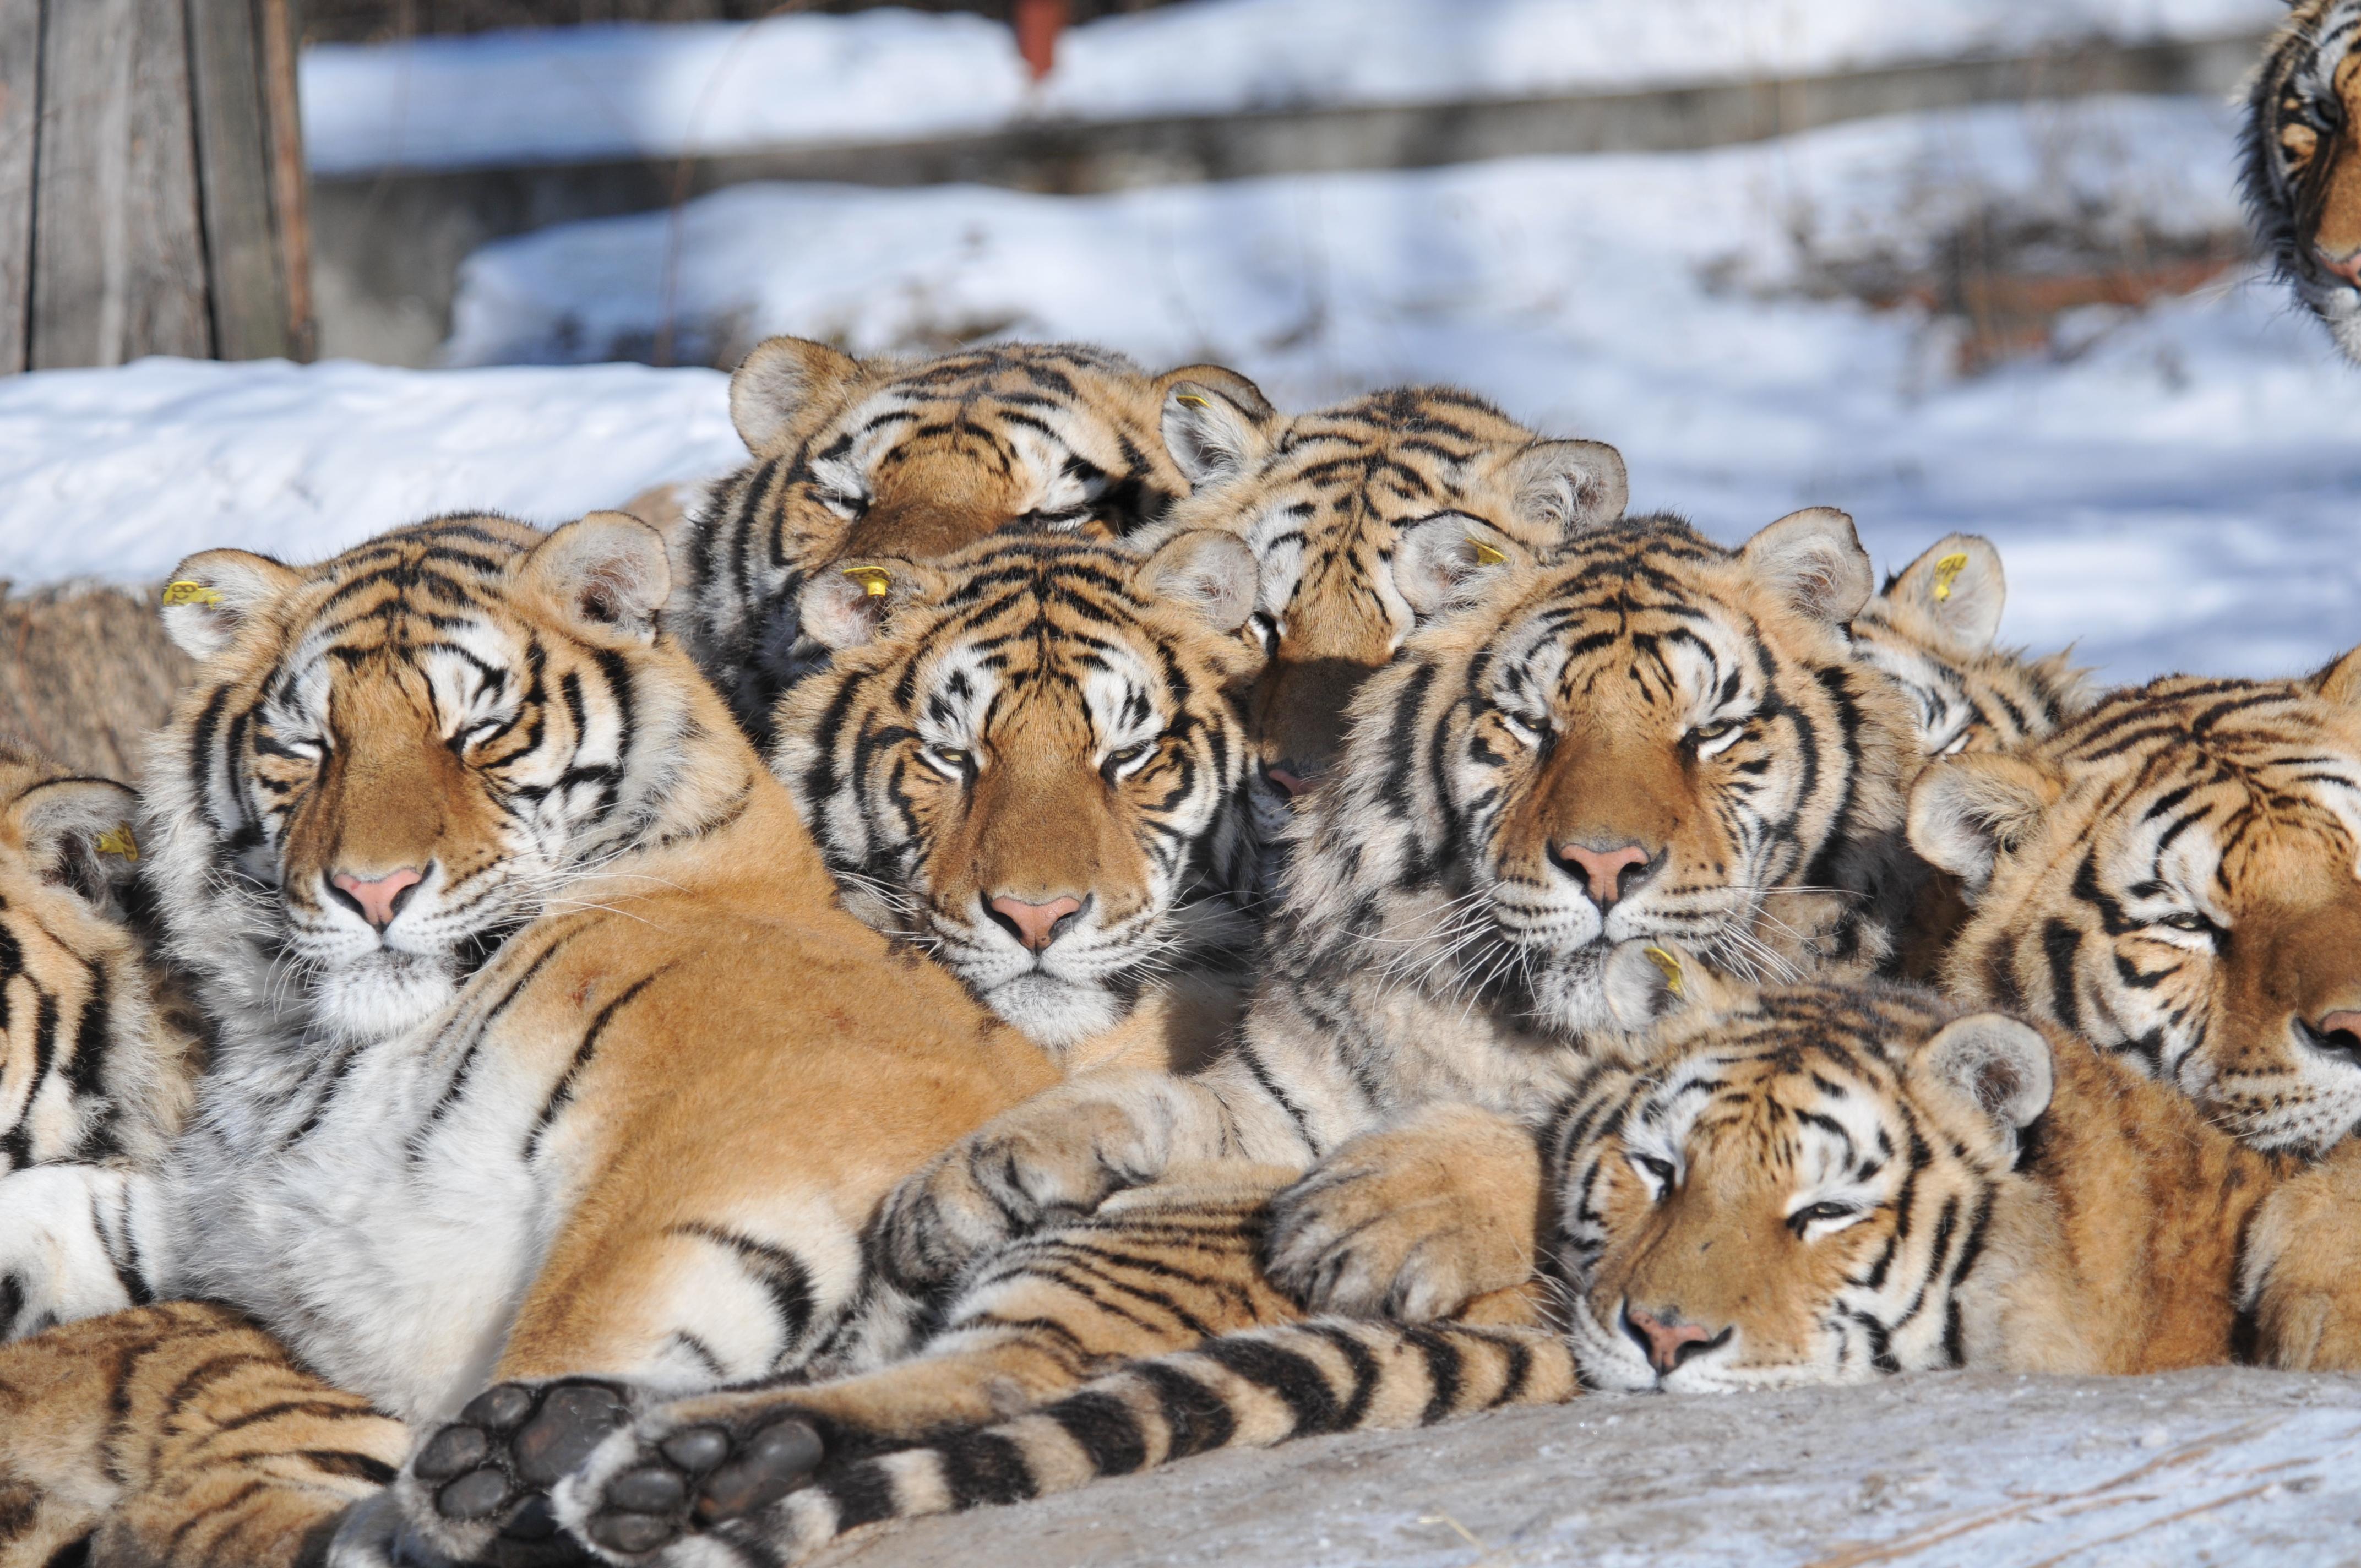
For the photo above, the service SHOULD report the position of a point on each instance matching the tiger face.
(1030, 758)
(390, 759)
(914, 460)
(1324, 499)
(1930, 630)
(1795, 1190)
(1650, 737)
(2302, 153)
(2177, 877)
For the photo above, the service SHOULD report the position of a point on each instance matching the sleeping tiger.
(543, 1044)
(1800, 1184)
(912, 459)
(1030, 758)
(2176, 877)
(2302, 162)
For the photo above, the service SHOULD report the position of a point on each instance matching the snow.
(2182, 489)
(614, 91)
(119, 474)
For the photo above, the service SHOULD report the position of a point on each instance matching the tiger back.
(2176, 876)
(912, 459)
(1029, 759)
(2302, 154)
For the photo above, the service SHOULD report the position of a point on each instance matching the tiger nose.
(1607, 872)
(1291, 777)
(2347, 266)
(1036, 925)
(378, 899)
(2340, 1035)
(1666, 1345)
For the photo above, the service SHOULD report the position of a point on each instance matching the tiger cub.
(98, 1050)
(1325, 497)
(2302, 161)
(1799, 1184)
(914, 459)
(543, 1044)
(1649, 737)
(2173, 877)
(1029, 759)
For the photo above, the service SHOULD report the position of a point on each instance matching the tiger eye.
(2301, 142)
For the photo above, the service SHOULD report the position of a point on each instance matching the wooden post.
(151, 182)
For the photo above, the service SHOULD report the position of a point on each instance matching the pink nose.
(1663, 1342)
(2342, 1033)
(380, 899)
(1603, 869)
(2347, 266)
(1288, 779)
(1036, 924)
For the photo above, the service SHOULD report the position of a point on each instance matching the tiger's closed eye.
(1821, 1214)
(2194, 924)
(949, 760)
(1126, 761)
(1709, 739)
(1658, 1171)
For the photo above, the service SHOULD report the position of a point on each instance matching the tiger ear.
(78, 832)
(603, 577)
(1954, 593)
(780, 379)
(1449, 559)
(1568, 486)
(846, 603)
(1968, 811)
(1213, 575)
(1651, 979)
(214, 592)
(1813, 559)
(1996, 1063)
(2340, 682)
(1217, 424)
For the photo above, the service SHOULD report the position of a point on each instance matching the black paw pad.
(772, 1463)
(631, 1533)
(500, 1408)
(478, 1495)
(697, 1449)
(451, 1451)
(574, 1419)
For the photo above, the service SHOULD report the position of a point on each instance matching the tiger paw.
(644, 1492)
(478, 1487)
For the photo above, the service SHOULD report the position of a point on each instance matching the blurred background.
(1947, 264)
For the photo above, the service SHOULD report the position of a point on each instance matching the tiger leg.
(2300, 1269)
(1246, 1390)
(174, 1434)
(1155, 1270)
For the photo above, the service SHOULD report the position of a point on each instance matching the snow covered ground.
(497, 99)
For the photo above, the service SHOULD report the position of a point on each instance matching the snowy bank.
(615, 92)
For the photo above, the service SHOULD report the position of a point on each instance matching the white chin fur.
(1570, 995)
(2339, 310)
(1052, 1011)
(382, 995)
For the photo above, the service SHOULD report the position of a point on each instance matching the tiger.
(2176, 876)
(99, 1051)
(915, 459)
(543, 1044)
(1803, 1184)
(2300, 156)
(1325, 497)
(1029, 759)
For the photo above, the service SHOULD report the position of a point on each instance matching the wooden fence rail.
(151, 186)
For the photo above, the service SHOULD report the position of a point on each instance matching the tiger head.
(1031, 758)
(1799, 1186)
(389, 761)
(1931, 629)
(1648, 737)
(2176, 876)
(2302, 161)
(62, 834)
(913, 459)
(1324, 499)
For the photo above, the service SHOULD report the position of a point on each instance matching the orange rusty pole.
(1038, 24)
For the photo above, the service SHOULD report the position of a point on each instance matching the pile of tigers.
(1067, 919)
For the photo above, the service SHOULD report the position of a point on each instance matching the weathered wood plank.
(118, 252)
(282, 24)
(20, 97)
(249, 310)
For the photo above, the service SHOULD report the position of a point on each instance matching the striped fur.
(1044, 722)
(2301, 149)
(2176, 876)
(912, 459)
(1434, 947)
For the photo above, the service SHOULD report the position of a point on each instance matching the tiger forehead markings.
(914, 459)
(2302, 161)
(1031, 757)
(2177, 877)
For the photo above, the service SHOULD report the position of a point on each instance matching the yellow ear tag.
(1669, 964)
(186, 592)
(874, 580)
(1945, 571)
(117, 840)
(1486, 554)
(1192, 398)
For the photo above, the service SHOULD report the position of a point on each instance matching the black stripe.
(564, 1091)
